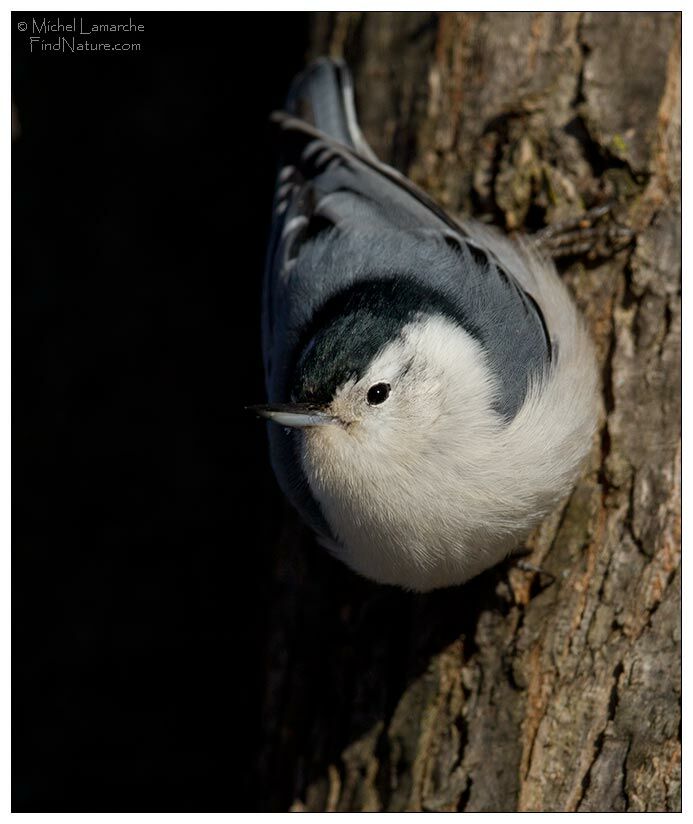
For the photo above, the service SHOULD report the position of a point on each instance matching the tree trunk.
(514, 692)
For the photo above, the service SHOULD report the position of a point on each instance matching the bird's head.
(387, 401)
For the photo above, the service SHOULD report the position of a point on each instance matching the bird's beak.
(298, 415)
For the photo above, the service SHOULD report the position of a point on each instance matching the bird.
(431, 385)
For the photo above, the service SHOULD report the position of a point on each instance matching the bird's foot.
(593, 233)
(523, 586)
(526, 566)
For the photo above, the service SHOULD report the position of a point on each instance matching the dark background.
(143, 502)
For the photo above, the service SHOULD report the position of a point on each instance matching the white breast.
(440, 488)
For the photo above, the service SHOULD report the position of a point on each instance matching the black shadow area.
(143, 503)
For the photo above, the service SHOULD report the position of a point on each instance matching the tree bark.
(514, 692)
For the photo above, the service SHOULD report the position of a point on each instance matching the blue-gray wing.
(340, 219)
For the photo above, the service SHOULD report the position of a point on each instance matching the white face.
(425, 399)
(425, 380)
(399, 395)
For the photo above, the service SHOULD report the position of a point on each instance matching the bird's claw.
(590, 233)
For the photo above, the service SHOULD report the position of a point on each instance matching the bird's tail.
(323, 96)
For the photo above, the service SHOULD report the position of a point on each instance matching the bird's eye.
(378, 393)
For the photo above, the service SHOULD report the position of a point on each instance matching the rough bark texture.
(512, 693)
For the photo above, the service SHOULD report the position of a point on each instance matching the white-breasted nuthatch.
(432, 387)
